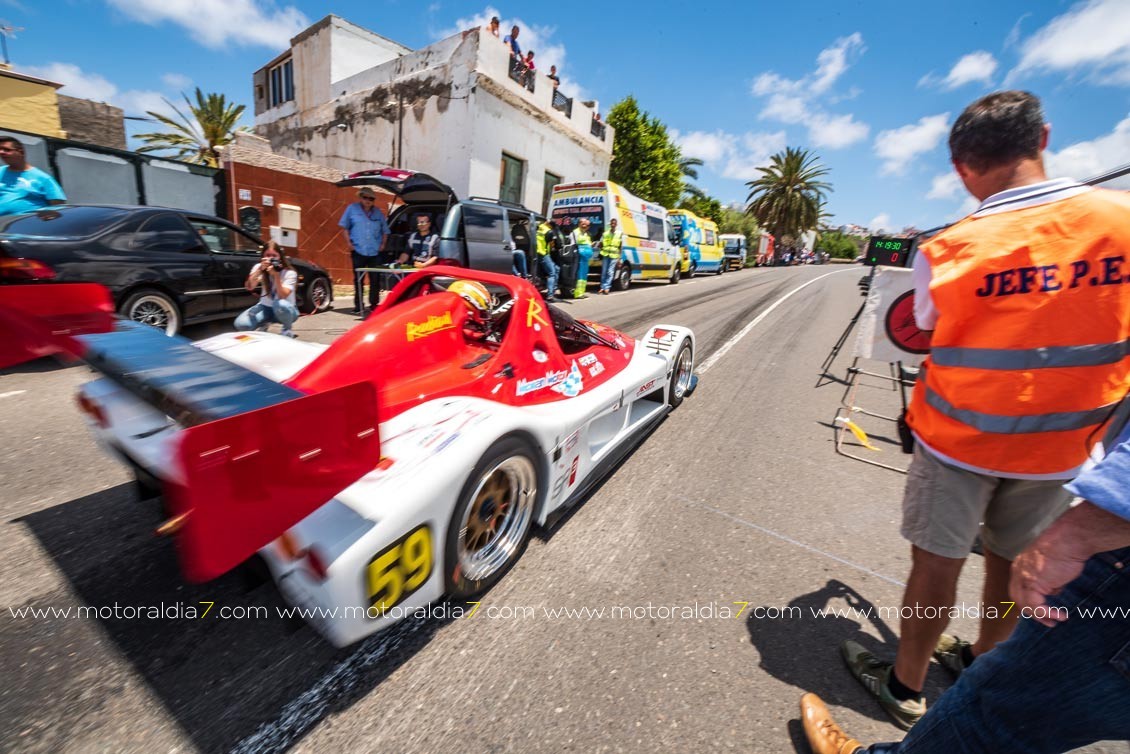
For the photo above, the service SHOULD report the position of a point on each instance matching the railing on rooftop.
(597, 129)
(562, 103)
(523, 75)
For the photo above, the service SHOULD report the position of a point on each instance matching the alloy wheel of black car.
(317, 298)
(154, 308)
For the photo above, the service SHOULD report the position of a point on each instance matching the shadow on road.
(802, 648)
(220, 678)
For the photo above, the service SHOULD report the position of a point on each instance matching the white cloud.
(834, 60)
(75, 81)
(976, 66)
(220, 23)
(730, 155)
(1086, 159)
(880, 222)
(547, 51)
(945, 186)
(795, 101)
(898, 146)
(177, 81)
(836, 131)
(1093, 37)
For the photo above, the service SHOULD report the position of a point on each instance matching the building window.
(281, 82)
(510, 183)
(551, 180)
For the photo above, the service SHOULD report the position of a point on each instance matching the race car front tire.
(493, 518)
(681, 374)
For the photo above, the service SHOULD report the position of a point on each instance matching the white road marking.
(714, 357)
(790, 540)
(11, 393)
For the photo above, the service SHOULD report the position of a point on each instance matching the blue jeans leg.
(255, 318)
(607, 266)
(1044, 690)
(285, 314)
(550, 270)
(518, 267)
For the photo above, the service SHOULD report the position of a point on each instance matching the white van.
(649, 252)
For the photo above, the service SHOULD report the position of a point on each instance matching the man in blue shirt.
(1061, 681)
(366, 230)
(22, 187)
(512, 40)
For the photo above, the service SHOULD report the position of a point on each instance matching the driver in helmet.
(478, 299)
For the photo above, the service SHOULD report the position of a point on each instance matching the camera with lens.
(277, 265)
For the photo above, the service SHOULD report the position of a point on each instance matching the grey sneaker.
(874, 674)
(948, 653)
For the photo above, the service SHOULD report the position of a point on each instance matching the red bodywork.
(42, 320)
(415, 348)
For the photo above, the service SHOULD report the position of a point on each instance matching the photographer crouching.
(276, 280)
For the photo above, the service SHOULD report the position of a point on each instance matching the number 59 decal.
(399, 570)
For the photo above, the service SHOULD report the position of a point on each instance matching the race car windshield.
(568, 328)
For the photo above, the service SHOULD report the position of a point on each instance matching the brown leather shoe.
(824, 736)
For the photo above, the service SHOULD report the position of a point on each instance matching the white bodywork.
(428, 453)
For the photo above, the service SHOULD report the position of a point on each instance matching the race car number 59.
(399, 570)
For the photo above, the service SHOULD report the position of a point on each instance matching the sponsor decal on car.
(596, 369)
(540, 356)
(588, 359)
(550, 379)
(646, 387)
(436, 323)
(571, 441)
(573, 384)
(573, 470)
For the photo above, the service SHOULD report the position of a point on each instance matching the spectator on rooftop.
(553, 76)
(492, 27)
(512, 40)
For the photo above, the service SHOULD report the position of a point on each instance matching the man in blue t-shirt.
(22, 187)
(366, 231)
(512, 40)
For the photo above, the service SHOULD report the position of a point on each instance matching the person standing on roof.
(611, 244)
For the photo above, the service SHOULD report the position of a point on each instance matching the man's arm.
(1100, 523)
(925, 314)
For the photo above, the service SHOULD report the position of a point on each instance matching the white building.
(352, 100)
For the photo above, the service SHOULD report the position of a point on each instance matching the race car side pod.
(42, 319)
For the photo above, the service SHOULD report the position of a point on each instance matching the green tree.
(786, 198)
(195, 139)
(689, 166)
(703, 206)
(840, 246)
(735, 221)
(644, 158)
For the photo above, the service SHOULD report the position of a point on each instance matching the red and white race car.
(463, 412)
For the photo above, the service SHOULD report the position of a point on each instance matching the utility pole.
(6, 30)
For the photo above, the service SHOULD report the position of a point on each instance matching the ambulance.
(650, 250)
(698, 239)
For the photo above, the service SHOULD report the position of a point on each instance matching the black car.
(164, 267)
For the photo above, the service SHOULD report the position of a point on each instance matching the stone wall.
(92, 122)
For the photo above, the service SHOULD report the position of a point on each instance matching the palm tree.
(688, 167)
(195, 139)
(787, 198)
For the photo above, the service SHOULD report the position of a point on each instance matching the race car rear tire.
(681, 374)
(493, 518)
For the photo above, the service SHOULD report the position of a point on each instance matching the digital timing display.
(891, 252)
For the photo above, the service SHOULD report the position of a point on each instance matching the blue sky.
(871, 86)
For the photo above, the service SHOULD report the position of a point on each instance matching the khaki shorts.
(944, 508)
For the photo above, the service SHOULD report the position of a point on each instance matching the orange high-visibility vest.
(1031, 353)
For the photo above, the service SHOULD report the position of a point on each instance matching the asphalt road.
(738, 497)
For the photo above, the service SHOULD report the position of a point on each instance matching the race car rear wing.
(255, 457)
